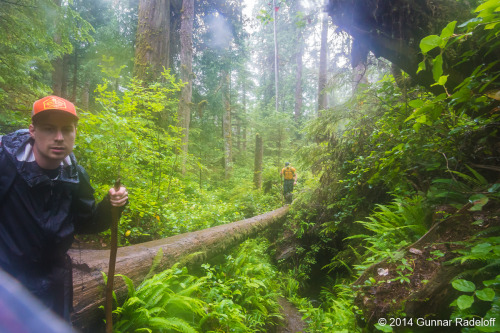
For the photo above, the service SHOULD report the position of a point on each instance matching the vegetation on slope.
(396, 163)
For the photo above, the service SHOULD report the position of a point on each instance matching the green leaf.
(383, 328)
(491, 26)
(486, 294)
(448, 30)
(482, 248)
(487, 5)
(421, 66)
(437, 67)
(430, 42)
(494, 188)
(478, 200)
(416, 103)
(422, 119)
(463, 285)
(465, 301)
(488, 283)
(474, 21)
(442, 80)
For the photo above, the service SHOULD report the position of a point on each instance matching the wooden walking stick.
(108, 309)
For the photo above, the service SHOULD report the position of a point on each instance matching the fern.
(176, 324)
(129, 283)
(156, 262)
(221, 300)
(392, 227)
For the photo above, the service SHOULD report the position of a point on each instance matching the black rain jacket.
(38, 218)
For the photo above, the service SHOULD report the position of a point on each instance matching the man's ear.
(32, 130)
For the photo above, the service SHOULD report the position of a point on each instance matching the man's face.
(54, 135)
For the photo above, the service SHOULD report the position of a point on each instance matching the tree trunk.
(57, 64)
(226, 126)
(64, 76)
(135, 261)
(298, 84)
(238, 133)
(186, 75)
(57, 76)
(276, 68)
(322, 96)
(244, 112)
(75, 75)
(152, 39)
(257, 171)
(298, 75)
(85, 95)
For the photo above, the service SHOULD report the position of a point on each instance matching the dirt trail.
(292, 318)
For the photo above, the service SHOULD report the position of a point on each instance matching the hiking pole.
(108, 309)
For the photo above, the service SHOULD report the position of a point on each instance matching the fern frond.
(156, 261)
(176, 324)
(480, 180)
(129, 283)
(192, 288)
(179, 302)
(133, 301)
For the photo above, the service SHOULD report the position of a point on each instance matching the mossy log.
(135, 261)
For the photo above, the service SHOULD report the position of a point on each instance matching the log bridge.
(135, 261)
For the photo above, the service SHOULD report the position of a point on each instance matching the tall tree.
(244, 111)
(298, 59)
(322, 75)
(152, 39)
(227, 124)
(257, 170)
(186, 75)
(58, 62)
(276, 64)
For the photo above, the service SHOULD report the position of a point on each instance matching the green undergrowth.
(333, 312)
(389, 230)
(239, 295)
(134, 136)
(390, 163)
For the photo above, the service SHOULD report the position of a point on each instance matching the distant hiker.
(290, 175)
(46, 197)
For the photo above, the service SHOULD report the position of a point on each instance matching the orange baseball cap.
(53, 103)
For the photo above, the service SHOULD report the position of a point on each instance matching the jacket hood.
(19, 147)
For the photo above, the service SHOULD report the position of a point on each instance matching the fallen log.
(135, 261)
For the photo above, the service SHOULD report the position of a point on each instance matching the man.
(290, 175)
(46, 197)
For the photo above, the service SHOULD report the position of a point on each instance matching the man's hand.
(118, 198)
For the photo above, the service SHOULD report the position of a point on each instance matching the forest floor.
(292, 318)
(427, 290)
